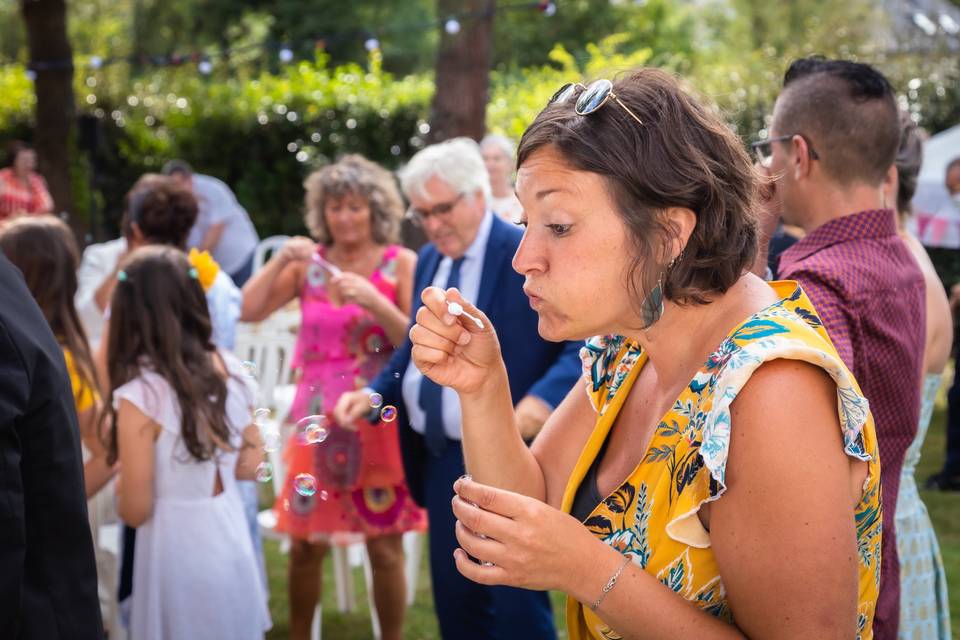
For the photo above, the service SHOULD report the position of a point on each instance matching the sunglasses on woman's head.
(593, 97)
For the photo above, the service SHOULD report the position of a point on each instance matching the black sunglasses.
(763, 149)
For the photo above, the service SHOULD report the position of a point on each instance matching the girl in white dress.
(182, 432)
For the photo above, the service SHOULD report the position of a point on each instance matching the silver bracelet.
(611, 583)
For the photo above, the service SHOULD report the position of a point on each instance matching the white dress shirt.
(470, 272)
(99, 260)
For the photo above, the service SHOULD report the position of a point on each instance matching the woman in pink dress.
(355, 290)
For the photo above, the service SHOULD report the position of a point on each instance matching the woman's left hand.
(356, 289)
(529, 543)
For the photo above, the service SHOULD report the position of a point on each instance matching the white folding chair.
(270, 345)
(265, 249)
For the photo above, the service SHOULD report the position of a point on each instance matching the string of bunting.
(451, 24)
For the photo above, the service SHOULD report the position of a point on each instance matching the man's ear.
(800, 161)
(890, 187)
(136, 238)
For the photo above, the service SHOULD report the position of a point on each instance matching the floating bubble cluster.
(313, 429)
(305, 484)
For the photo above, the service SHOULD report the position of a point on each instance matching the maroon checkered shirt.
(869, 292)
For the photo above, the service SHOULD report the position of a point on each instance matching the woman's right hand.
(296, 248)
(453, 351)
(350, 407)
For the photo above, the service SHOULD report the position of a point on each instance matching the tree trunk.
(459, 104)
(52, 61)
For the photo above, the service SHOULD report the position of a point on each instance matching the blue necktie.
(431, 394)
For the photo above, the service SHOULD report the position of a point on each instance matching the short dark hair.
(950, 166)
(849, 112)
(172, 167)
(14, 149)
(684, 155)
(908, 162)
(163, 210)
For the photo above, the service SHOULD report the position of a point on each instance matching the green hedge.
(264, 133)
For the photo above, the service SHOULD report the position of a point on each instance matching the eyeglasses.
(763, 149)
(419, 216)
(592, 98)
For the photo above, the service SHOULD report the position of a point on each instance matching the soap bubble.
(388, 413)
(376, 400)
(264, 472)
(313, 429)
(249, 368)
(261, 417)
(271, 440)
(305, 484)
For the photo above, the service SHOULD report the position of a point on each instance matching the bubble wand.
(456, 309)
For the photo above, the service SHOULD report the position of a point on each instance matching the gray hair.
(502, 142)
(456, 161)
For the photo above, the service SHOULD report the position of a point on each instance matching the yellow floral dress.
(652, 516)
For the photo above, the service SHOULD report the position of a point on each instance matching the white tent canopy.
(938, 151)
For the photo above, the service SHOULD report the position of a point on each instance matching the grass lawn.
(421, 624)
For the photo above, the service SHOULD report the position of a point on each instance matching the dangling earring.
(652, 306)
(651, 309)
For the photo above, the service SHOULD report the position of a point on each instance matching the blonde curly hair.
(354, 175)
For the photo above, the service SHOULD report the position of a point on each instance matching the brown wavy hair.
(159, 322)
(684, 155)
(46, 252)
(355, 175)
(908, 162)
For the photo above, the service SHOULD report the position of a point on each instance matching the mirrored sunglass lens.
(563, 93)
(594, 97)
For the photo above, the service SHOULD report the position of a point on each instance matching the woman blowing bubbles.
(719, 477)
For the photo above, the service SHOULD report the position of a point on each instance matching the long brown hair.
(159, 322)
(45, 251)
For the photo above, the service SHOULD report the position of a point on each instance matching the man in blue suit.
(470, 248)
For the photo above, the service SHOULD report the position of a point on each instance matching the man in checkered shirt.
(832, 145)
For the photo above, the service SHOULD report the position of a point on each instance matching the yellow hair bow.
(207, 268)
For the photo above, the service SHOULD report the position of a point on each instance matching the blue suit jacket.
(547, 370)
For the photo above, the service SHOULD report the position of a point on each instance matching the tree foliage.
(262, 125)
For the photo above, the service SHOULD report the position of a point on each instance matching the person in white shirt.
(157, 212)
(223, 226)
(498, 156)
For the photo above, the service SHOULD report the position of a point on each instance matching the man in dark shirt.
(48, 578)
(832, 145)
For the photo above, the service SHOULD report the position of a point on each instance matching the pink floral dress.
(360, 486)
